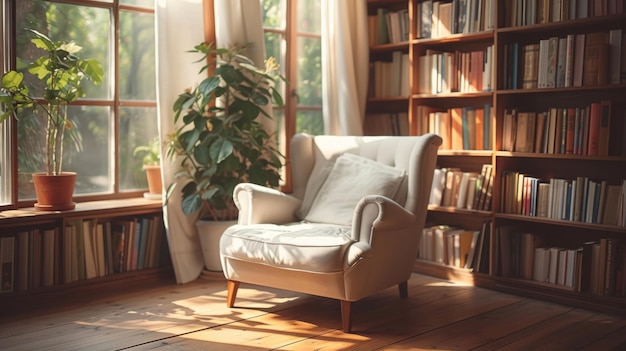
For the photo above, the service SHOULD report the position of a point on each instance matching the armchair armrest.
(259, 204)
(378, 213)
(381, 225)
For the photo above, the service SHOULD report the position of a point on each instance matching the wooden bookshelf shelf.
(96, 244)
(434, 56)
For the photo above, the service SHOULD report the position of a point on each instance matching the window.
(293, 36)
(114, 117)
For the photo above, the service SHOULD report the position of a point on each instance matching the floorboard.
(436, 315)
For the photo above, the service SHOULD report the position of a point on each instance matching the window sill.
(103, 208)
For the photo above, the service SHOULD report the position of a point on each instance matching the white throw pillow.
(318, 176)
(352, 177)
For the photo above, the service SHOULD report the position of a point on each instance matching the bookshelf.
(529, 114)
(99, 243)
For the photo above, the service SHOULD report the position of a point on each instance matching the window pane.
(137, 79)
(273, 13)
(309, 16)
(94, 163)
(273, 44)
(88, 27)
(87, 151)
(309, 78)
(142, 3)
(138, 126)
(311, 122)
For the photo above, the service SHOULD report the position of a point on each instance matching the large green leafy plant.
(62, 73)
(221, 141)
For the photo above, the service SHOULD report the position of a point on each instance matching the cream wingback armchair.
(350, 228)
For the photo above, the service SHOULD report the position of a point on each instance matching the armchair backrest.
(414, 154)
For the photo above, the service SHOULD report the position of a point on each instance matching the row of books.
(84, 249)
(456, 71)
(583, 59)
(456, 247)
(595, 267)
(461, 128)
(580, 199)
(529, 12)
(388, 27)
(453, 187)
(437, 19)
(390, 78)
(567, 131)
(394, 123)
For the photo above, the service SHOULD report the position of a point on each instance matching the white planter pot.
(210, 233)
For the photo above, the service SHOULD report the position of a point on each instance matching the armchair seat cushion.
(300, 246)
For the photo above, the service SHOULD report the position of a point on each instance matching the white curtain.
(179, 27)
(239, 22)
(345, 61)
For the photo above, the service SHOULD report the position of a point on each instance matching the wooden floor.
(437, 315)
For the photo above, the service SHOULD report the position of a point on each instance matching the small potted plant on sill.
(62, 73)
(152, 165)
(221, 141)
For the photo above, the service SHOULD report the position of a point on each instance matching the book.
(569, 60)
(487, 127)
(561, 138)
(470, 262)
(464, 189)
(605, 125)
(595, 120)
(456, 120)
(48, 257)
(528, 244)
(541, 265)
(595, 59)
(506, 250)
(553, 264)
(487, 180)
(552, 57)
(436, 192)
(531, 66)
(426, 18)
(525, 132)
(468, 117)
(118, 248)
(444, 19)
(542, 70)
(611, 205)
(561, 61)
(509, 130)
(540, 145)
(35, 255)
(23, 269)
(91, 265)
(7, 264)
(615, 56)
(570, 131)
(579, 59)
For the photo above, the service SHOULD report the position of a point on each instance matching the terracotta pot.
(54, 192)
(153, 173)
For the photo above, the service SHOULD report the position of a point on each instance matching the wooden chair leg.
(404, 289)
(346, 316)
(232, 293)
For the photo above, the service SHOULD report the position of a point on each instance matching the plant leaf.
(220, 150)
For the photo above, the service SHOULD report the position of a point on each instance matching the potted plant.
(152, 165)
(221, 141)
(62, 73)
